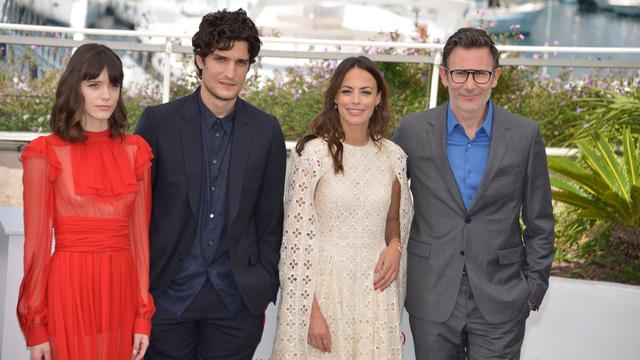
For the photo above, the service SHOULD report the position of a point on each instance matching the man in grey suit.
(476, 170)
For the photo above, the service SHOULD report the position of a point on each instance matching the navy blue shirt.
(209, 254)
(468, 158)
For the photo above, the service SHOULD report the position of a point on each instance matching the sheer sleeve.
(38, 215)
(140, 238)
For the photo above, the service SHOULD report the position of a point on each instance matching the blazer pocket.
(510, 256)
(419, 249)
(514, 169)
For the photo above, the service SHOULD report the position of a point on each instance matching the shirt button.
(217, 134)
(468, 145)
(211, 216)
(215, 161)
(213, 188)
(467, 220)
(210, 243)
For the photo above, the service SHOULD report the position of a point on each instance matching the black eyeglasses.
(461, 76)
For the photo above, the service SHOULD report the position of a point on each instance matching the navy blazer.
(254, 200)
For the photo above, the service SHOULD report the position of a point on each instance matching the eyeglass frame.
(473, 75)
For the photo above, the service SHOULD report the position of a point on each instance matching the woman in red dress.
(89, 184)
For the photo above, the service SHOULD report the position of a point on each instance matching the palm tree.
(604, 186)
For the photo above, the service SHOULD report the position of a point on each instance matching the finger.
(315, 342)
(382, 274)
(386, 280)
(142, 350)
(379, 263)
(323, 341)
(329, 343)
(136, 347)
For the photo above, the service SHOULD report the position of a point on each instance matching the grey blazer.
(506, 263)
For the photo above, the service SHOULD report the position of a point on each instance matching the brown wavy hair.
(327, 126)
(220, 30)
(86, 63)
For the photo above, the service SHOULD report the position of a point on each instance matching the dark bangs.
(99, 60)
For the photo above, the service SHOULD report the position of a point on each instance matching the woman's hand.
(140, 345)
(388, 266)
(319, 336)
(40, 352)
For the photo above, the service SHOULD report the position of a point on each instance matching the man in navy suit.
(216, 223)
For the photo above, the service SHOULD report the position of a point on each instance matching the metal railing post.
(166, 74)
(435, 77)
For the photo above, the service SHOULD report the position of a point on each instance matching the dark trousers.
(467, 335)
(206, 330)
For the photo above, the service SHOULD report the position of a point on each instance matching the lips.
(103, 107)
(355, 112)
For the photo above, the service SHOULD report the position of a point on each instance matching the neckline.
(358, 147)
(97, 134)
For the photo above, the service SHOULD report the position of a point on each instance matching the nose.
(470, 83)
(230, 69)
(106, 92)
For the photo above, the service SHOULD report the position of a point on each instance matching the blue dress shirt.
(468, 158)
(208, 257)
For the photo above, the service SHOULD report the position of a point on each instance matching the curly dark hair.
(470, 38)
(327, 126)
(86, 63)
(220, 30)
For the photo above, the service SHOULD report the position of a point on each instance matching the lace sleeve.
(398, 161)
(298, 255)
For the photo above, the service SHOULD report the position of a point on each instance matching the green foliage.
(610, 112)
(601, 185)
(294, 95)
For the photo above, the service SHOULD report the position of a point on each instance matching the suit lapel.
(191, 138)
(240, 149)
(436, 135)
(499, 144)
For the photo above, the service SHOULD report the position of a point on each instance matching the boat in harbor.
(603, 5)
(73, 13)
(503, 17)
(625, 7)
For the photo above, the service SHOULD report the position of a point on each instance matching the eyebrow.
(362, 88)
(226, 57)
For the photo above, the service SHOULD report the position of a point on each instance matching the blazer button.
(462, 252)
(467, 220)
(179, 258)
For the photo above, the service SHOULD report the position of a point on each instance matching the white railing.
(171, 45)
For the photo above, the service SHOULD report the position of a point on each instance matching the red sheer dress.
(91, 295)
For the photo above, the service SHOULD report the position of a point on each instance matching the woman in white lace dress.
(347, 217)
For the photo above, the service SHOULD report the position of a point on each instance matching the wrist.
(395, 244)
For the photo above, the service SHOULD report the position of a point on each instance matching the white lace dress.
(349, 212)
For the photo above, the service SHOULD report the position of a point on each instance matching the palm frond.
(600, 165)
(630, 156)
(589, 181)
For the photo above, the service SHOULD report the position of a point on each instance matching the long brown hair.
(86, 63)
(327, 126)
